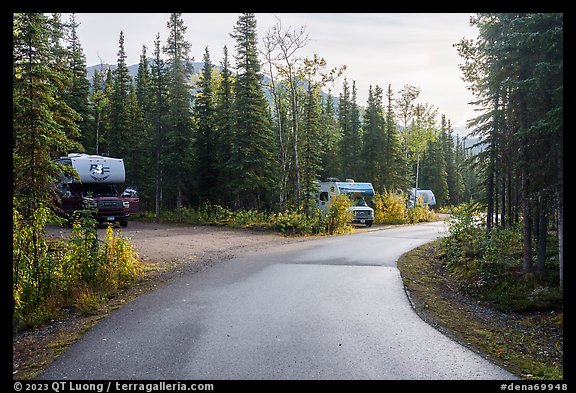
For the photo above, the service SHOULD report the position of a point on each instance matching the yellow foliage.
(390, 208)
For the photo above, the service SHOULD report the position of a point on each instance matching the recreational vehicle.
(362, 213)
(95, 188)
(428, 198)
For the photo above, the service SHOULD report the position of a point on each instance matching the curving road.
(331, 308)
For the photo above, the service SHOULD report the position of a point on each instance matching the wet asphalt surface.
(329, 308)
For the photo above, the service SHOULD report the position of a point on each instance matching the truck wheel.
(124, 224)
(368, 224)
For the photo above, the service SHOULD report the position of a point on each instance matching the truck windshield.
(101, 191)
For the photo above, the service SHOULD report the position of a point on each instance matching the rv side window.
(323, 196)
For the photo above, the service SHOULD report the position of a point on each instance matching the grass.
(528, 344)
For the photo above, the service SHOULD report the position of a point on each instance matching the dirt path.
(167, 244)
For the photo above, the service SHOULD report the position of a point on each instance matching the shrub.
(293, 223)
(488, 266)
(420, 212)
(390, 208)
(118, 262)
(48, 275)
(466, 234)
(339, 215)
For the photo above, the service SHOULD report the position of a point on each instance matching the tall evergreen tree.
(330, 139)
(159, 93)
(224, 130)
(344, 114)
(205, 141)
(119, 136)
(355, 136)
(77, 96)
(143, 149)
(453, 174)
(254, 148)
(394, 161)
(374, 139)
(178, 152)
(99, 102)
(311, 156)
(515, 70)
(42, 122)
(433, 174)
(314, 71)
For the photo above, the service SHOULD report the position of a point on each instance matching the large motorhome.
(95, 188)
(362, 213)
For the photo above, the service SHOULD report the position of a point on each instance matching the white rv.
(363, 214)
(428, 197)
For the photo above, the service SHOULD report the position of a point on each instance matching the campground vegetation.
(246, 148)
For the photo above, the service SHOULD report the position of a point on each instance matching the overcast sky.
(377, 48)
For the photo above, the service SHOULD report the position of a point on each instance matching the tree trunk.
(542, 231)
(560, 162)
(524, 174)
(527, 224)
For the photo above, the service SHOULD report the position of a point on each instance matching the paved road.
(331, 308)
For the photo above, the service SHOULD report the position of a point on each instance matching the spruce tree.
(394, 161)
(41, 121)
(254, 147)
(453, 175)
(77, 96)
(355, 136)
(344, 124)
(178, 156)
(316, 75)
(330, 139)
(205, 141)
(311, 163)
(514, 69)
(99, 102)
(143, 149)
(119, 137)
(159, 93)
(433, 175)
(374, 139)
(224, 131)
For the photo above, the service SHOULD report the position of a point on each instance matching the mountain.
(133, 69)
(196, 69)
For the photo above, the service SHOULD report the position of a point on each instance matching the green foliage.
(254, 143)
(293, 223)
(49, 275)
(489, 267)
(208, 214)
(465, 226)
(336, 220)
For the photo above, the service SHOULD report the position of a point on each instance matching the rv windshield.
(360, 202)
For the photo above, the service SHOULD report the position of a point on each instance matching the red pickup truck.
(96, 188)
